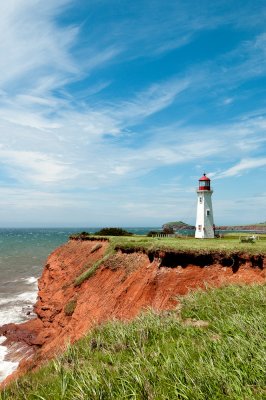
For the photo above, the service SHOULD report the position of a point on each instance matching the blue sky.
(110, 111)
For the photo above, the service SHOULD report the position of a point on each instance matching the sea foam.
(30, 280)
(15, 309)
(6, 367)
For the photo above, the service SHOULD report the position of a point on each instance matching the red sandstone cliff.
(123, 285)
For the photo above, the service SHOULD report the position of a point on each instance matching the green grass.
(88, 273)
(214, 348)
(227, 244)
(91, 271)
(96, 247)
(70, 307)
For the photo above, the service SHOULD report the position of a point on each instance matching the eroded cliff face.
(122, 286)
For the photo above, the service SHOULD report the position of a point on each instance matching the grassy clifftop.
(230, 243)
(211, 347)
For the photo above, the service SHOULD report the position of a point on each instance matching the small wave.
(30, 280)
(18, 308)
(6, 367)
(15, 313)
(27, 297)
(5, 301)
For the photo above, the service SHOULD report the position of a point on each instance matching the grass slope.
(213, 347)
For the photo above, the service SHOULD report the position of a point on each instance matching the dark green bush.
(152, 233)
(168, 229)
(113, 232)
(70, 307)
(81, 235)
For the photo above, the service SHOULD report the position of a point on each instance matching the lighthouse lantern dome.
(204, 183)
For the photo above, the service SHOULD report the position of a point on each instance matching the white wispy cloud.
(149, 101)
(246, 61)
(35, 167)
(75, 153)
(38, 51)
(243, 166)
(33, 42)
(159, 27)
(228, 100)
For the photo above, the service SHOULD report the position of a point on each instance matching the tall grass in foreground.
(211, 348)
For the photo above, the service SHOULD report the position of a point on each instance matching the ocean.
(22, 256)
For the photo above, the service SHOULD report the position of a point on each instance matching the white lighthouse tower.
(204, 222)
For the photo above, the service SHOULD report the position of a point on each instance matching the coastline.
(6, 367)
(23, 252)
(124, 283)
(12, 352)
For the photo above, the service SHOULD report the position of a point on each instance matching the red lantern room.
(204, 183)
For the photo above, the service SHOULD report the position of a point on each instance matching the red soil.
(121, 287)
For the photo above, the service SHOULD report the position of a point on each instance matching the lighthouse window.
(199, 227)
(208, 212)
(200, 200)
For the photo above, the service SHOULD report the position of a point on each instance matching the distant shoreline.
(182, 226)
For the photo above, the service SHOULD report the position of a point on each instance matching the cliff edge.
(123, 283)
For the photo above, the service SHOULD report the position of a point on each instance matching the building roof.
(204, 178)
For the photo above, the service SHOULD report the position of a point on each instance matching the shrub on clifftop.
(113, 232)
(81, 235)
(152, 233)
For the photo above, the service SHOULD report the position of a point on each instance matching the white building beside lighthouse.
(204, 221)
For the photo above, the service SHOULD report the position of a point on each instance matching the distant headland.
(180, 225)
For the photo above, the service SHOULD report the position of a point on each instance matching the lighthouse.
(204, 221)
